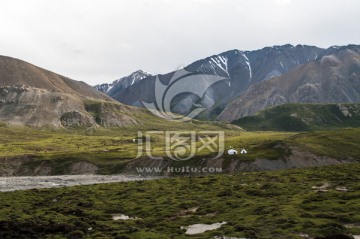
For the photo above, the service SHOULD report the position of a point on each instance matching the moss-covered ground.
(278, 204)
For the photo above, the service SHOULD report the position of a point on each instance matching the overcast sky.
(98, 41)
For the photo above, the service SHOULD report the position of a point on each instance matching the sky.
(98, 41)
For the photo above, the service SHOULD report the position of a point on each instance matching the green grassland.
(111, 150)
(17, 141)
(303, 117)
(278, 204)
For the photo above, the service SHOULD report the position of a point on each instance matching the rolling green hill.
(303, 117)
(25, 151)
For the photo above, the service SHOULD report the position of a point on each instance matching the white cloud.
(283, 2)
(98, 41)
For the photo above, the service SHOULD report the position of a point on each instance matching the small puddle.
(123, 217)
(200, 228)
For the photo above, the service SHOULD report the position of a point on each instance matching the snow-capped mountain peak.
(123, 82)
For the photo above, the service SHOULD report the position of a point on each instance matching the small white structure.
(243, 151)
(232, 151)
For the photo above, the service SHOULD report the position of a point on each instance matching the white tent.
(243, 151)
(232, 151)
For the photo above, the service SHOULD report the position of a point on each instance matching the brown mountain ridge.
(30, 95)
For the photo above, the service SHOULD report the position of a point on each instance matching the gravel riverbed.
(30, 182)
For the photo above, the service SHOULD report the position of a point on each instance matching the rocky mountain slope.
(333, 77)
(303, 117)
(33, 96)
(240, 70)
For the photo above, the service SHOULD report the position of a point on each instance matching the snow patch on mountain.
(247, 61)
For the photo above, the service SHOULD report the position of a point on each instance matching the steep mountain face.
(36, 97)
(302, 117)
(333, 77)
(117, 86)
(240, 69)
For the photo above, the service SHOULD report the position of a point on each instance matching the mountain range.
(333, 77)
(256, 80)
(252, 81)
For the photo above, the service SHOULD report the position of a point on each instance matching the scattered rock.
(342, 189)
(123, 217)
(322, 188)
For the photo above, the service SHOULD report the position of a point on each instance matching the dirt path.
(30, 182)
